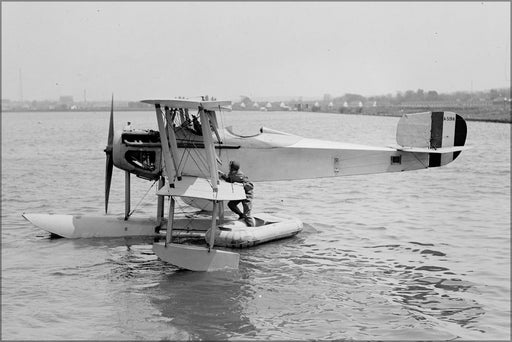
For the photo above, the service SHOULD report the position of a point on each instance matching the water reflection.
(208, 305)
(182, 304)
(191, 305)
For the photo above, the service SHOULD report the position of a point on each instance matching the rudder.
(432, 130)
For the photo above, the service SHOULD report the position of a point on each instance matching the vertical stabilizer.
(433, 131)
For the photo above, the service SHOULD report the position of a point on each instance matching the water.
(413, 255)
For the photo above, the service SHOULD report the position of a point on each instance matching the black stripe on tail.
(461, 131)
(436, 130)
(436, 138)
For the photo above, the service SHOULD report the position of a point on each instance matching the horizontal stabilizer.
(434, 150)
(196, 187)
(189, 104)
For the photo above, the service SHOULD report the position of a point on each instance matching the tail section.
(441, 134)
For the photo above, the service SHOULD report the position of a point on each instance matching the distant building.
(283, 106)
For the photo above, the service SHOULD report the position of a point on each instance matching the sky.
(140, 50)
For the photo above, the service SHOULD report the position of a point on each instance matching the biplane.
(189, 149)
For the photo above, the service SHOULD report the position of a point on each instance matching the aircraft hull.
(291, 163)
(424, 140)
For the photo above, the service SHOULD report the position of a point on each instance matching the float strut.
(168, 235)
(126, 195)
(160, 204)
(214, 225)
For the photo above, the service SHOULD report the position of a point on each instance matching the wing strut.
(172, 141)
(190, 257)
(214, 124)
(168, 158)
(210, 149)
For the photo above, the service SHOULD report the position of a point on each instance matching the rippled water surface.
(413, 255)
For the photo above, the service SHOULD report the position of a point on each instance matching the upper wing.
(190, 104)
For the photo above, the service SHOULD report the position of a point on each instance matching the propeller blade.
(110, 140)
(108, 178)
(108, 151)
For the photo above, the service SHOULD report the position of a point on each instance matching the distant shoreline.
(469, 114)
(494, 120)
(499, 115)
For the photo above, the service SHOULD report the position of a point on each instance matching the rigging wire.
(187, 153)
(131, 212)
(203, 168)
(221, 116)
(190, 216)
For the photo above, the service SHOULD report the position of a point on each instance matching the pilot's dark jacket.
(239, 177)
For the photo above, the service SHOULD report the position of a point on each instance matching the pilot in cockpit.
(128, 127)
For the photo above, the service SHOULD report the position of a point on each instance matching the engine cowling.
(138, 152)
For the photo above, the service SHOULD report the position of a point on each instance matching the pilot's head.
(234, 166)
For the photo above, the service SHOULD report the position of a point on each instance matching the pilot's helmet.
(234, 165)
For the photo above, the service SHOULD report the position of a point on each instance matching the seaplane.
(189, 151)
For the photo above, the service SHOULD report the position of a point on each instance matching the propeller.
(109, 158)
